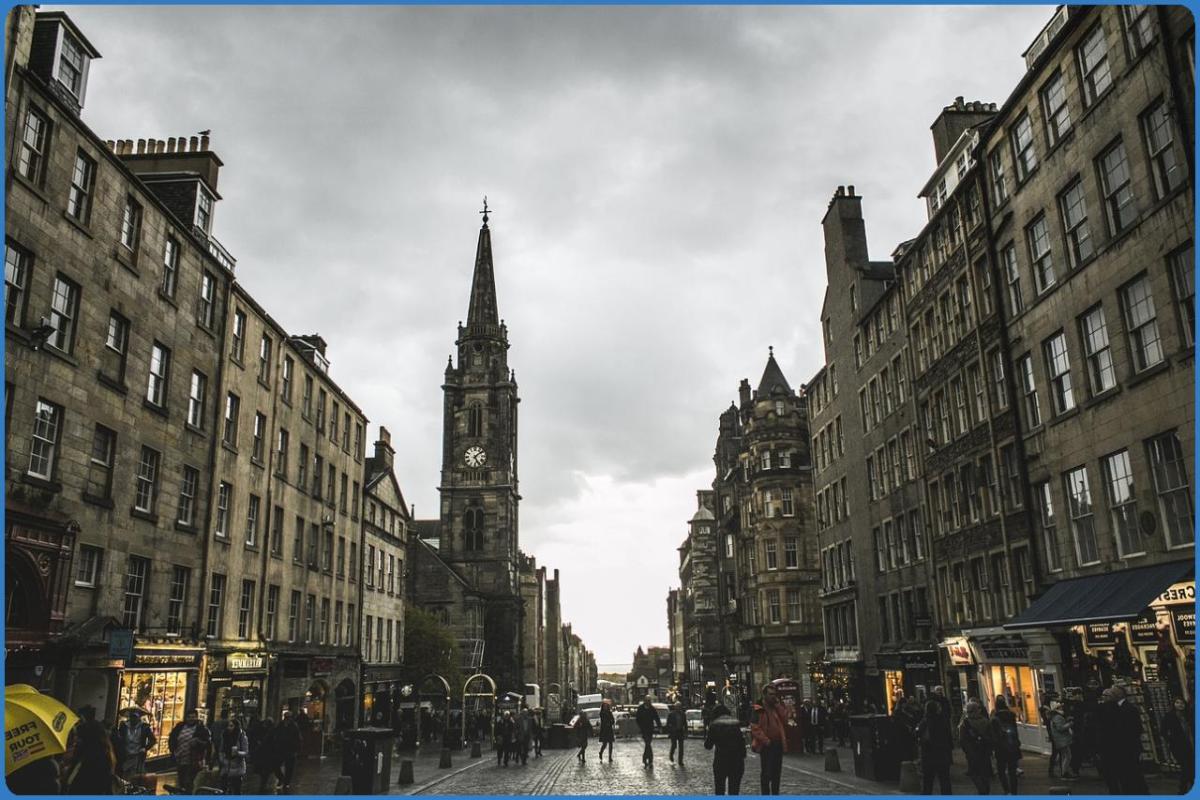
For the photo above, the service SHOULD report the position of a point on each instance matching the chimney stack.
(744, 389)
(955, 119)
(384, 454)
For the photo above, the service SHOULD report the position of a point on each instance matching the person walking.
(264, 757)
(505, 733)
(583, 732)
(676, 729)
(1062, 737)
(648, 723)
(132, 739)
(608, 724)
(232, 752)
(817, 718)
(538, 733)
(768, 733)
(1007, 744)
(93, 765)
(1180, 734)
(188, 743)
(724, 737)
(524, 735)
(287, 747)
(1121, 744)
(975, 739)
(936, 743)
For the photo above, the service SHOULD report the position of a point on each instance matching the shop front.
(1006, 670)
(161, 681)
(237, 685)
(840, 677)
(907, 673)
(962, 673)
(380, 695)
(321, 692)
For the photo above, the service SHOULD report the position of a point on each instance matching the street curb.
(843, 784)
(443, 778)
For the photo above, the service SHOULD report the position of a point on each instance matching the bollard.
(444, 761)
(406, 773)
(476, 751)
(831, 761)
(910, 778)
(344, 785)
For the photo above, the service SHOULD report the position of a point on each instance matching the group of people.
(262, 747)
(516, 735)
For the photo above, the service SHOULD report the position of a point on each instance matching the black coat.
(648, 720)
(724, 735)
(1119, 730)
(607, 722)
(977, 743)
(1181, 738)
(936, 741)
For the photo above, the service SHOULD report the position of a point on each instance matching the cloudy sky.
(658, 177)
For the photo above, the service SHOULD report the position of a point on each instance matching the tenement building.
(696, 649)
(116, 296)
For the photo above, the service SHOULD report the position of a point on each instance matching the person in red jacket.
(768, 733)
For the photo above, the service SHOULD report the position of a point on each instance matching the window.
(1093, 65)
(350, 618)
(772, 555)
(327, 552)
(1138, 28)
(1030, 408)
(310, 608)
(100, 465)
(233, 407)
(87, 568)
(204, 209)
(64, 310)
(1043, 497)
(35, 138)
(1160, 139)
(177, 599)
(1012, 475)
(1075, 223)
(224, 499)
(1083, 523)
(1182, 263)
(302, 469)
(341, 556)
(260, 436)
(1141, 321)
(337, 622)
(83, 178)
(999, 185)
(131, 225)
(344, 492)
(1097, 350)
(216, 597)
(318, 474)
(294, 616)
(983, 280)
(330, 476)
(321, 410)
(156, 384)
(272, 611)
(286, 380)
(334, 415)
(281, 453)
(43, 447)
(773, 610)
(146, 494)
(881, 562)
(135, 592)
(345, 430)
(978, 392)
(791, 553)
(1038, 237)
(358, 438)
(789, 508)
(1122, 503)
(70, 65)
(765, 458)
(252, 509)
(324, 637)
(277, 532)
(239, 335)
(353, 562)
(1054, 108)
(245, 609)
(1115, 184)
(187, 496)
(962, 419)
(1058, 365)
(1024, 155)
(16, 283)
(197, 391)
(207, 308)
(1012, 272)
(264, 359)
(1169, 468)
(170, 274)
(298, 541)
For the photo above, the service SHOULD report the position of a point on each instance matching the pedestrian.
(188, 743)
(538, 732)
(724, 737)
(1062, 737)
(904, 727)
(648, 723)
(524, 726)
(608, 724)
(676, 729)
(1007, 744)
(816, 718)
(505, 733)
(1179, 731)
(132, 739)
(583, 732)
(975, 739)
(232, 751)
(768, 734)
(1121, 744)
(264, 757)
(936, 744)
(92, 768)
(287, 747)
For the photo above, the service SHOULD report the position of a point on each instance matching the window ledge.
(127, 259)
(226, 446)
(1034, 431)
(253, 548)
(190, 428)
(278, 556)
(79, 226)
(1062, 141)
(170, 299)
(31, 186)
(1087, 112)
(185, 528)
(1187, 353)
(111, 383)
(207, 329)
(146, 515)
(236, 361)
(159, 410)
(1064, 416)
(1149, 372)
(60, 354)
(263, 383)
(257, 462)
(1106, 395)
(41, 483)
(103, 502)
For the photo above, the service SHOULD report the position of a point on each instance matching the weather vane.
(485, 210)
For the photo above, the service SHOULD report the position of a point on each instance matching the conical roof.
(482, 310)
(772, 377)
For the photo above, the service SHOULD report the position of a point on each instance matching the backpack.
(1010, 739)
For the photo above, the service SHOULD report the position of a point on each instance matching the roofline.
(62, 17)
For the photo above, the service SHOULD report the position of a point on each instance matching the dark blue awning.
(1101, 598)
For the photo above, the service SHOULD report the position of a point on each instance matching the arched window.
(475, 420)
(473, 528)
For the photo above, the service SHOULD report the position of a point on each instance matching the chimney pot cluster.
(961, 105)
(181, 144)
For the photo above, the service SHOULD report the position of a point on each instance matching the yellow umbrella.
(35, 726)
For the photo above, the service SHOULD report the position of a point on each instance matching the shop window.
(161, 696)
(1015, 683)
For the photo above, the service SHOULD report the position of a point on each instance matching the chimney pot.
(204, 143)
(850, 190)
(958, 102)
(171, 144)
(111, 145)
(193, 144)
(160, 146)
(141, 145)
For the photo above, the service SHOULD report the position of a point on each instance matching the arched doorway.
(344, 695)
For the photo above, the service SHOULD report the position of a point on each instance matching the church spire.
(772, 378)
(482, 310)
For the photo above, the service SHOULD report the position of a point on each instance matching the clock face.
(475, 457)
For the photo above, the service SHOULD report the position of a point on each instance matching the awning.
(1101, 598)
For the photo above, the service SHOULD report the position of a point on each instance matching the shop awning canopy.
(1101, 598)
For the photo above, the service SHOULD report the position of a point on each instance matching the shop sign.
(926, 660)
(1184, 621)
(120, 644)
(245, 662)
(1099, 633)
(1144, 629)
(166, 658)
(959, 652)
(322, 666)
(1184, 592)
(1002, 651)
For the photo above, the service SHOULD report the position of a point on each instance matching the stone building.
(677, 627)
(533, 625)
(386, 526)
(116, 295)
(700, 634)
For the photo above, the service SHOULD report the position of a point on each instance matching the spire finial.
(485, 210)
(771, 351)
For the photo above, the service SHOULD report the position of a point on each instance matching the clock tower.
(479, 497)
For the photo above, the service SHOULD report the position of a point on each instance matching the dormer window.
(204, 209)
(71, 65)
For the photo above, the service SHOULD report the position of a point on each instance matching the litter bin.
(558, 737)
(367, 759)
(875, 754)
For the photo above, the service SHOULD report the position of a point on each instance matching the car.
(695, 722)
